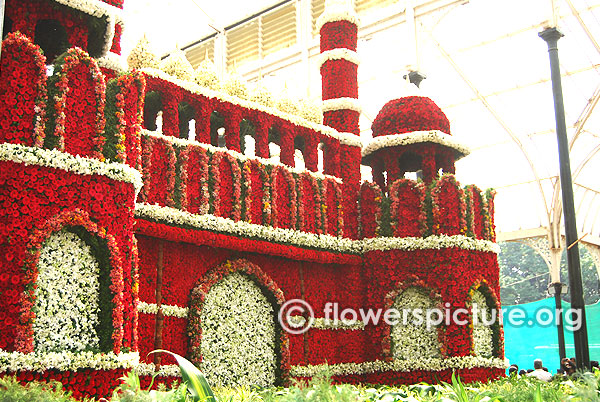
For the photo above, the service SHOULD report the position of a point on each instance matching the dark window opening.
(51, 36)
(247, 142)
(152, 105)
(217, 130)
(95, 41)
(7, 26)
(186, 114)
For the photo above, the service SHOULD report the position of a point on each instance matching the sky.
(171, 23)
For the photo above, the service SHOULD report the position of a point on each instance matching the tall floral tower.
(69, 149)
(338, 26)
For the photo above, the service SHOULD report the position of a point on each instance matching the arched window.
(51, 36)
(299, 144)
(238, 344)
(320, 157)
(6, 26)
(217, 130)
(412, 338)
(483, 321)
(247, 142)
(186, 114)
(274, 147)
(95, 39)
(152, 107)
(72, 282)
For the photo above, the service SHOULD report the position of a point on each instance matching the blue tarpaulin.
(539, 340)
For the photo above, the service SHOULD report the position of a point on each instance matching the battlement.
(414, 209)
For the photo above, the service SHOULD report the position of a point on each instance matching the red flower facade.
(205, 212)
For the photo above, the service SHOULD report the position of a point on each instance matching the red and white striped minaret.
(338, 26)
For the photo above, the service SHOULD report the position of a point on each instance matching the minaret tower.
(338, 26)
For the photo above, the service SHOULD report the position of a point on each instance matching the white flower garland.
(238, 334)
(311, 240)
(342, 104)
(237, 155)
(167, 370)
(168, 310)
(431, 364)
(54, 158)
(483, 335)
(112, 61)
(415, 137)
(351, 140)
(65, 361)
(337, 11)
(66, 296)
(338, 54)
(435, 242)
(298, 321)
(418, 363)
(412, 341)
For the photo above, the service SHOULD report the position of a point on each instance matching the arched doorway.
(234, 334)
(67, 296)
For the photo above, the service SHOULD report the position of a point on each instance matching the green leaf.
(196, 382)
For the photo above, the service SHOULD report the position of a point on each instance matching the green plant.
(197, 385)
(12, 391)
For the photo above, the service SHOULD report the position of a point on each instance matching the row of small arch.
(179, 113)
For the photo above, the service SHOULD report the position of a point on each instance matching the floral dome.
(409, 114)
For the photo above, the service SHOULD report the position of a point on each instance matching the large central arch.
(235, 337)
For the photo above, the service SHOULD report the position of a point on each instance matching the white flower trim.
(66, 361)
(436, 242)
(112, 61)
(419, 363)
(149, 369)
(168, 310)
(194, 88)
(225, 225)
(97, 8)
(460, 362)
(338, 13)
(311, 240)
(342, 104)
(298, 321)
(237, 155)
(66, 296)
(54, 158)
(415, 137)
(338, 54)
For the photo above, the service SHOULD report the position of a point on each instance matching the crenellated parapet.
(413, 209)
(68, 110)
(202, 179)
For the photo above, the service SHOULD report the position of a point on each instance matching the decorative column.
(338, 26)
(582, 353)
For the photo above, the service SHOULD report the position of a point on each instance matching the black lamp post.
(582, 353)
(557, 289)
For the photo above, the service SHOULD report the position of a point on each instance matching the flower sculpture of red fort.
(119, 237)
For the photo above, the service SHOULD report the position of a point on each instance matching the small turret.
(411, 134)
